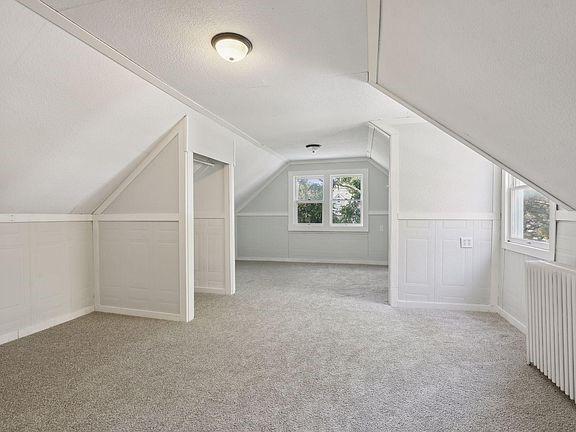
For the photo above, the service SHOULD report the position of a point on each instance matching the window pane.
(536, 216)
(346, 212)
(529, 215)
(347, 187)
(310, 213)
(310, 188)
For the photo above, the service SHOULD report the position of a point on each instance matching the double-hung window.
(328, 201)
(529, 220)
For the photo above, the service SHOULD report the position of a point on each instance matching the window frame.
(327, 224)
(533, 248)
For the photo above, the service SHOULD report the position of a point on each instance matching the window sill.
(543, 254)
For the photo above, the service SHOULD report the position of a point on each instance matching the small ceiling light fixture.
(313, 148)
(231, 47)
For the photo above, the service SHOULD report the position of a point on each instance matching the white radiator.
(551, 339)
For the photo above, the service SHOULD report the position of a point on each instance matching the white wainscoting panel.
(139, 266)
(266, 237)
(209, 256)
(434, 268)
(416, 260)
(46, 275)
(566, 243)
(262, 236)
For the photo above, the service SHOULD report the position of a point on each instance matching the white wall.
(139, 268)
(512, 289)
(139, 241)
(262, 225)
(482, 69)
(46, 275)
(438, 175)
(75, 123)
(445, 192)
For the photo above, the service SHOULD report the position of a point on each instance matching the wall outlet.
(466, 242)
(381, 228)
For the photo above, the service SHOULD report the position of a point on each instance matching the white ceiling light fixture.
(313, 148)
(231, 47)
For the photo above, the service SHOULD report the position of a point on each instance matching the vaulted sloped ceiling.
(499, 74)
(305, 80)
(73, 123)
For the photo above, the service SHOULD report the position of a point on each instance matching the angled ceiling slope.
(304, 81)
(497, 75)
(74, 123)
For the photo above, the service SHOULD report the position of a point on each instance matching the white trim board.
(565, 215)
(138, 313)
(263, 214)
(445, 306)
(44, 325)
(508, 317)
(313, 261)
(49, 217)
(448, 216)
(143, 217)
(103, 48)
(209, 290)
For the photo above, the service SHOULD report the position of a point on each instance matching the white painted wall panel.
(211, 217)
(154, 190)
(433, 267)
(416, 261)
(512, 274)
(262, 237)
(440, 175)
(329, 246)
(209, 263)
(566, 243)
(46, 275)
(139, 266)
(378, 238)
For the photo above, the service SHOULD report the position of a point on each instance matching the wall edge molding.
(314, 261)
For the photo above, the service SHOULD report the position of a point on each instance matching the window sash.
(333, 200)
(296, 222)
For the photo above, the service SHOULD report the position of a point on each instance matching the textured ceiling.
(498, 73)
(305, 80)
(74, 123)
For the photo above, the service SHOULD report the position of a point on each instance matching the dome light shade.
(231, 47)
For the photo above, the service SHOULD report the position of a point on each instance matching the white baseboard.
(8, 337)
(512, 320)
(44, 325)
(445, 306)
(313, 261)
(209, 290)
(138, 313)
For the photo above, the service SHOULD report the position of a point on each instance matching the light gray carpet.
(299, 348)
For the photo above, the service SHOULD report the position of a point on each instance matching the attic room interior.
(313, 215)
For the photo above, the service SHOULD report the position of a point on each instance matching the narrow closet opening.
(213, 235)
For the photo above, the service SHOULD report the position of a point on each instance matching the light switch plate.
(466, 242)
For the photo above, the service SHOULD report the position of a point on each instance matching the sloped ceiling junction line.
(58, 19)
